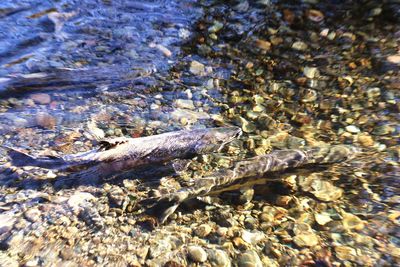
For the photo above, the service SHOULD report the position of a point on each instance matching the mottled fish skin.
(123, 154)
(249, 170)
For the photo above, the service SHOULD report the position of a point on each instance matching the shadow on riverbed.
(147, 175)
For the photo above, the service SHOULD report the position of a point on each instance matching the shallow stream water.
(289, 73)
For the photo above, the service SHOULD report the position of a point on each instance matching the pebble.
(264, 45)
(215, 27)
(41, 98)
(322, 218)
(45, 120)
(203, 230)
(164, 50)
(345, 253)
(197, 68)
(248, 127)
(184, 103)
(325, 190)
(253, 237)
(373, 92)
(78, 199)
(365, 140)
(300, 46)
(249, 258)
(306, 239)
(352, 222)
(197, 254)
(383, 130)
(219, 258)
(352, 129)
(395, 59)
(310, 72)
(7, 221)
(32, 215)
(161, 247)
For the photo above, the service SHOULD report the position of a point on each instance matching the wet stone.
(32, 215)
(306, 239)
(249, 258)
(352, 222)
(322, 218)
(325, 191)
(45, 120)
(41, 98)
(345, 253)
(197, 68)
(352, 129)
(197, 254)
(301, 46)
(184, 104)
(310, 72)
(203, 230)
(6, 222)
(218, 258)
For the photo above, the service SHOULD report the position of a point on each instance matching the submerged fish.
(247, 173)
(123, 154)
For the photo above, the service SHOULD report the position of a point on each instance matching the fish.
(119, 155)
(246, 173)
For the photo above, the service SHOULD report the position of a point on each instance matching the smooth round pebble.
(249, 259)
(197, 253)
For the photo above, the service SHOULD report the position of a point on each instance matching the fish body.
(123, 154)
(248, 172)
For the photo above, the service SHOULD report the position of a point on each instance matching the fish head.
(215, 139)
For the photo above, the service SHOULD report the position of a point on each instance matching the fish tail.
(20, 159)
(162, 208)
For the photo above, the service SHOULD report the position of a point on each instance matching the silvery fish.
(247, 173)
(123, 154)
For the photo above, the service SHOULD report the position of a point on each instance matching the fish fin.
(180, 165)
(107, 144)
(19, 158)
(161, 208)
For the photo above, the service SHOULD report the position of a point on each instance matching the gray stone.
(203, 230)
(197, 254)
(218, 258)
(32, 215)
(7, 221)
(310, 72)
(184, 103)
(249, 259)
(197, 68)
(301, 46)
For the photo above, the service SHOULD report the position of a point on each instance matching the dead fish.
(247, 173)
(123, 154)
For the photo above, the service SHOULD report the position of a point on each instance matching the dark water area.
(290, 74)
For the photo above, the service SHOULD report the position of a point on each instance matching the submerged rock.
(197, 68)
(249, 258)
(197, 254)
(219, 258)
(325, 190)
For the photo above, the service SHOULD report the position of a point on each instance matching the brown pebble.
(45, 120)
(239, 243)
(41, 98)
(365, 140)
(264, 45)
(66, 253)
